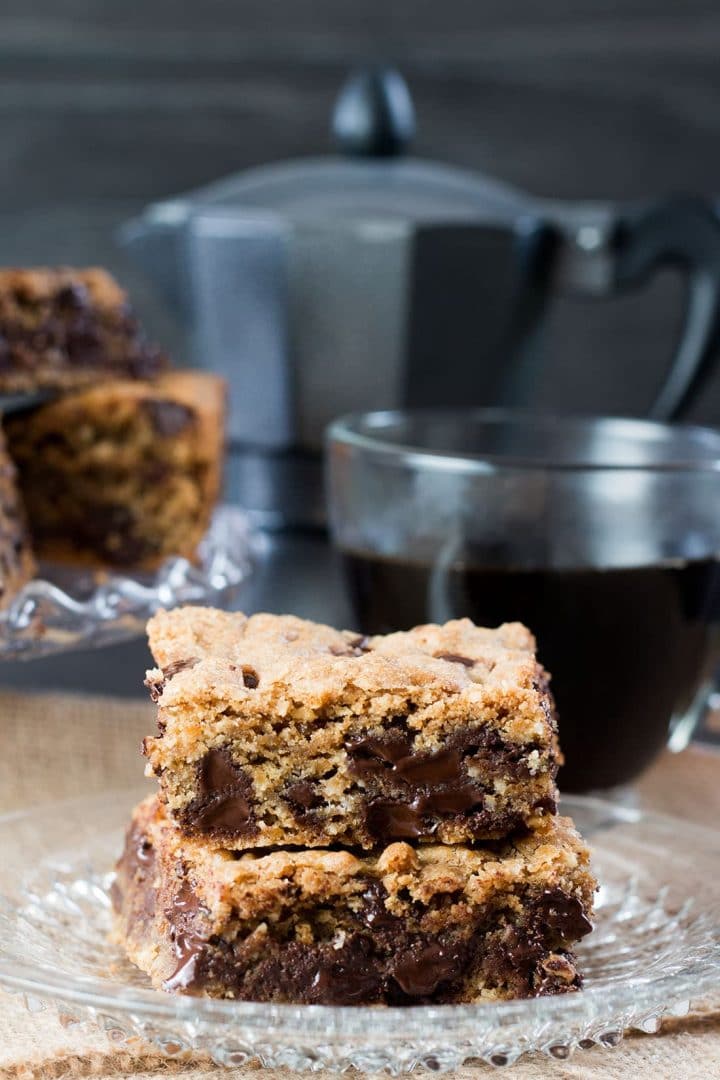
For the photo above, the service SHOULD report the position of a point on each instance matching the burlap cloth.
(60, 746)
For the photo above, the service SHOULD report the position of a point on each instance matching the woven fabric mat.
(54, 747)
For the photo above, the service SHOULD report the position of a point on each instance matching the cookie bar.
(125, 473)
(17, 565)
(276, 731)
(62, 328)
(402, 926)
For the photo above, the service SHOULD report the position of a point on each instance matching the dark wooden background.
(105, 105)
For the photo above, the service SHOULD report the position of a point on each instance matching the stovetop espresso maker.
(371, 279)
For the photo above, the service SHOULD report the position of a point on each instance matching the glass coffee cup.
(601, 535)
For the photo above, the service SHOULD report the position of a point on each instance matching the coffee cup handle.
(693, 721)
(685, 233)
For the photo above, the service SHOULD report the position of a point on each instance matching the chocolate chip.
(168, 418)
(546, 805)
(440, 767)
(455, 658)
(373, 754)
(136, 866)
(73, 296)
(225, 804)
(453, 800)
(563, 915)
(421, 970)
(83, 345)
(251, 679)
(188, 941)
(179, 665)
(228, 815)
(157, 685)
(303, 795)
(387, 821)
(374, 911)
(217, 771)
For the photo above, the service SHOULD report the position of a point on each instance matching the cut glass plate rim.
(665, 990)
(74, 608)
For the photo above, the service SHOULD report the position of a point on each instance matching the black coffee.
(627, 648)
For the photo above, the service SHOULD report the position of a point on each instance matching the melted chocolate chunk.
(453, 800)
(188, 942)
(562, 915)
(228, 815)
(421, 970)
(388, 960)
(136, 867)
(344, 983)
(511, 958)
(546, 805)
(386, 821)
(225, 804)
(441, 767)
(217, 772)
(168, 418)
(303, 796)
(482, 745)
(371, 754)
(413, 788)
(455, 658)
(374, 912)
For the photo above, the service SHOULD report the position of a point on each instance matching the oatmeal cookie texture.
(63, 328)
(278, 731)
(403, 925)
(124, 473)
(17, 564)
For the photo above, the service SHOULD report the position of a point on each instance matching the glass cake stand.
(68, 608)
(655, 949)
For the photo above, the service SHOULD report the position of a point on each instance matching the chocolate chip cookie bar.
(62, 328)
(277, 731)
(124, 473)
(17, 564)
(405, 925)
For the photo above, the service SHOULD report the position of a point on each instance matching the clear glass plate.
(80, 609)
(656, 947)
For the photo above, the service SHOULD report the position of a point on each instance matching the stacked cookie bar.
(113, 459)
(351, 820)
